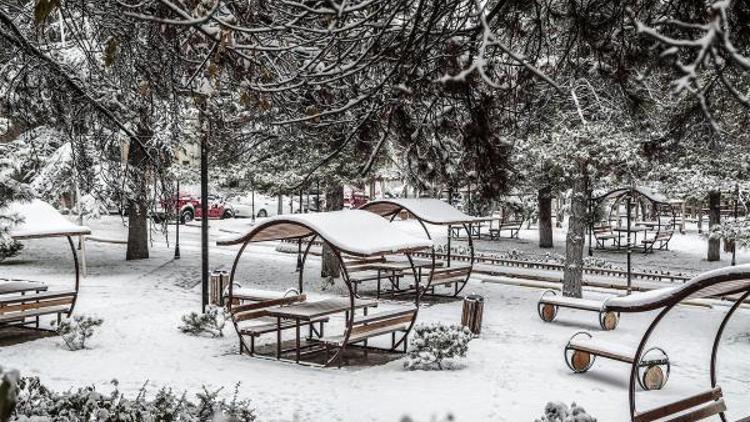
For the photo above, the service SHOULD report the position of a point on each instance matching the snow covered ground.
(510, 373)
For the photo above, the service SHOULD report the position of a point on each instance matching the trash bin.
(471, 317)
(217, 284)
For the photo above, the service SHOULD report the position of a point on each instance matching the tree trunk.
(714, 218)
(280, 206)
(138, 204)
(574, 242)
(560, 211)
(544, 199)
(334, 202)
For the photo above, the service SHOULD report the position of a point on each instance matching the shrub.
(434, 343)
(559, 412)
(75, 331)
(38, 403)
(212, 322)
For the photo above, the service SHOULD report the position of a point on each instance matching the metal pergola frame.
(397, 208)
(311, 236)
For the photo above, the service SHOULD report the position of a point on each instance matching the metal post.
(177, 222)
(591, 224)
(449, 245)
(300, 201)
(204, 221)
(734, 241)
(252, 202)
(627, 204)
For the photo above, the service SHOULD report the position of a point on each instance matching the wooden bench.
(25, 309)
(252, 317)
(378, 324)
(446, 276)
(549, 304)
(602, 233)
(694, 408)
(582, 350)
(513, 226)
(662, 237)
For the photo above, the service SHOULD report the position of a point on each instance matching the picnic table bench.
(603, 233)
(694, 408)
(513, 226)
(662, 237)
(550, 302)
(23, 302)
(445, 277)
(365, 327)
(653, 367)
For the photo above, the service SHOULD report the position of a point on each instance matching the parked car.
(263, 206)
(189, 207)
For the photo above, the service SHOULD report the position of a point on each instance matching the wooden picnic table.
(11, 287)
(307, 311)
(394, 270)
(635, 229)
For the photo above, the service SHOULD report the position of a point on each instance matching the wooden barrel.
(216, 288)
(471, 316)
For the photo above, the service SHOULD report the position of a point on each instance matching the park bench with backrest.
(365, 327)
(603, 233)
(23, 308)
(550, 302)
(513, 226)
(694, 408)
(252, 317)
(662, 237)
(445, 277)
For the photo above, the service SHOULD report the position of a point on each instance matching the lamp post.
(177, 221)
(734, 241)
(627, 204)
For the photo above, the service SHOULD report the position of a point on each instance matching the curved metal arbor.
(41, 221)
(659, 202)
(309, 226)
(728, 281)
(430, 211)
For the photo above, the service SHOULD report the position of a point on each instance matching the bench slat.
(573, 302)
(20, 316)
(604, 349)
(36, 296)
(9, 309)
(703, 412)
(679, 406)
(265, 325)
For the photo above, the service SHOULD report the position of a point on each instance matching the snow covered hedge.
(434, 343)
(559, 412)
(37, 403)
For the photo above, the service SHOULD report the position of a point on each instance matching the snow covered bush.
(737, 231)
(559, 412)
(212, 322)
(38, 403)
(434, 343)
(75, 331)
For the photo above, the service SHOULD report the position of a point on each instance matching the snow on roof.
(649, 193)
(41, 219)
(429, 210)
(714, 283)
(351, 231)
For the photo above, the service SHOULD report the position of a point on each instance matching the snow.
(510, 372)
(430, 210)
(41, 219)
(351, 231)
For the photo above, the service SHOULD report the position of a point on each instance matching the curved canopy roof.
(353, 232)
(429, 210)
(40, 219)
(649, 193)
(720, 282)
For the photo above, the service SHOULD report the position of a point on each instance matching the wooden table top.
(318, 308)
(10, 287)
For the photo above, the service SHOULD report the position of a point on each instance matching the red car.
(190, 208)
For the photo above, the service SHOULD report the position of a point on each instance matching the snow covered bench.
(694, 408)
(18, 309)
(252, 317)
(653, 367)
(603, 233)
(446, 276)
(549, 304)
(365, 327)
(662, 238)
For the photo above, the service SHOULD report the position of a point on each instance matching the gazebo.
(22, 302)
(436, 212)
(350, 233)
(729, 282)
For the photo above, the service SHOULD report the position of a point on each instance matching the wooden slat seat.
(662, 238)
(573, 302)
(694, 408)
(446, 276)
(263, 325)
(7, 300)
(601, 348)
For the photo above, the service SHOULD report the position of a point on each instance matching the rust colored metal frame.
(345, 276)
